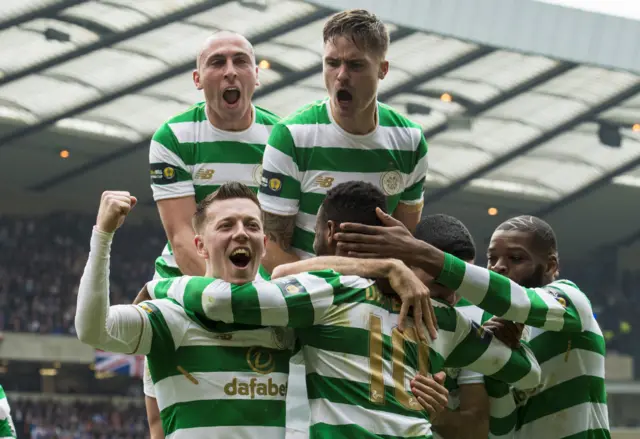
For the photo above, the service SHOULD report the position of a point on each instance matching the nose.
(343, 72)
(230, 70)
(500, 267)
(240, 233)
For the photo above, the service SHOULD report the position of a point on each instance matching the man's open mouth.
(231, 95)
(240, 257)
(344, 96)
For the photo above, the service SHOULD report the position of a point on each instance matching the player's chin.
(242, 273)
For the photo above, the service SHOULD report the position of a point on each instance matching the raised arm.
(174, 194)
(7, 428)
(279, 196)
(479, 351)
(120, 328)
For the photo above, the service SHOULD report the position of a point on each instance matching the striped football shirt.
(188, 156)
(308, 153)
(358, 364)
(571, 400)
(7, 429)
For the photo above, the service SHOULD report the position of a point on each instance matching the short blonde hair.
(366, 30)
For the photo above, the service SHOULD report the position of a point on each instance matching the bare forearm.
(372, 268)
(277, 257)
(447, 424)
(409, 215)
(426, 257)
(185, 252)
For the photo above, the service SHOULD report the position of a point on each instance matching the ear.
(257, 76)
(264, 251)
(202, 251)
(553, 268)
(196, 79)
(331, 230)
(384, 69)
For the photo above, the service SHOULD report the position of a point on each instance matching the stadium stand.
(550, 130)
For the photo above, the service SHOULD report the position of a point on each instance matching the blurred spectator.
(47, 419)
(42, 261)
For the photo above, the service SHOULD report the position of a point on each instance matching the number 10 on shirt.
(398, 371)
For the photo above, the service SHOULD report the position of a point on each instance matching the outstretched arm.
(120, 328)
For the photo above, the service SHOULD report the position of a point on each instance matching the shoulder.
(390, 117)
(176, 125)
(311, 113)
(567, 293)
(266, 117)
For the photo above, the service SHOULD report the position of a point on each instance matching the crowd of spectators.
(49, 419)
(41, 263)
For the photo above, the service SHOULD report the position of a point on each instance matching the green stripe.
(495, 388)
(562, 396)
(2, 394)
(223, 413)
(161, 289)
(550, 344)
(538, 310)
(350, 431)
(413, 192)
(226, 359)
(571, 317)
(303, 240)
(598, 433)
(516, 368)
(341, 391)
(161, 356)
(312, 113)
(165, 271)
(221, 153)
(245, 304)
(194, 113)
(497, 301)
(355, 160)
(193, 293)
(502, 426)
(5, 429)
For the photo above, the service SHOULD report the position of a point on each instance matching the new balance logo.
(204, 174)
(324, 182)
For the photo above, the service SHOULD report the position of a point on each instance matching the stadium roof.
(520, 132)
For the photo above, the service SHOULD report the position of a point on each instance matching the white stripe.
(216, 301)
(469, 377)
(170, 261)
(235, 432)
(197, 336)
(373, 421)
(174, 190)
(309, 183)
(356, 282)
(320, 294)
(158, 153)
(226, 172)
(277, 161)
(175, 317)
(306, 222)
(579, 300)
(578, 363)
(329, 136)
(219, 385)
(278, 205)
(203, 131)
(520, 305)
(574, 420)
(273, 306)
(419, 172)
(472, 311)
(475, 283)
(503, 406)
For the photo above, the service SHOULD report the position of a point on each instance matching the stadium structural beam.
(598, 183)
(262, 91)
(44, 12)
(150, 81)
(503, 97)
(111, 39)
(588, 115)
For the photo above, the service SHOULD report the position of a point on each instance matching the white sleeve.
(147, 381)
(121, 328)
(470, 377)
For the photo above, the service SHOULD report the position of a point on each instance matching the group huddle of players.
(301, 295)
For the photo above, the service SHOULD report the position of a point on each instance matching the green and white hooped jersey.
(190, 157)
(358, 365)
(309, 153)
(7, 429)
(571, 400)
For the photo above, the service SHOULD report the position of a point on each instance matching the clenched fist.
(114, 207)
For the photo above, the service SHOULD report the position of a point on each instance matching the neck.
(240, 124)
(362, 123)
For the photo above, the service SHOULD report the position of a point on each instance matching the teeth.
(240, 251)
(232, 89)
